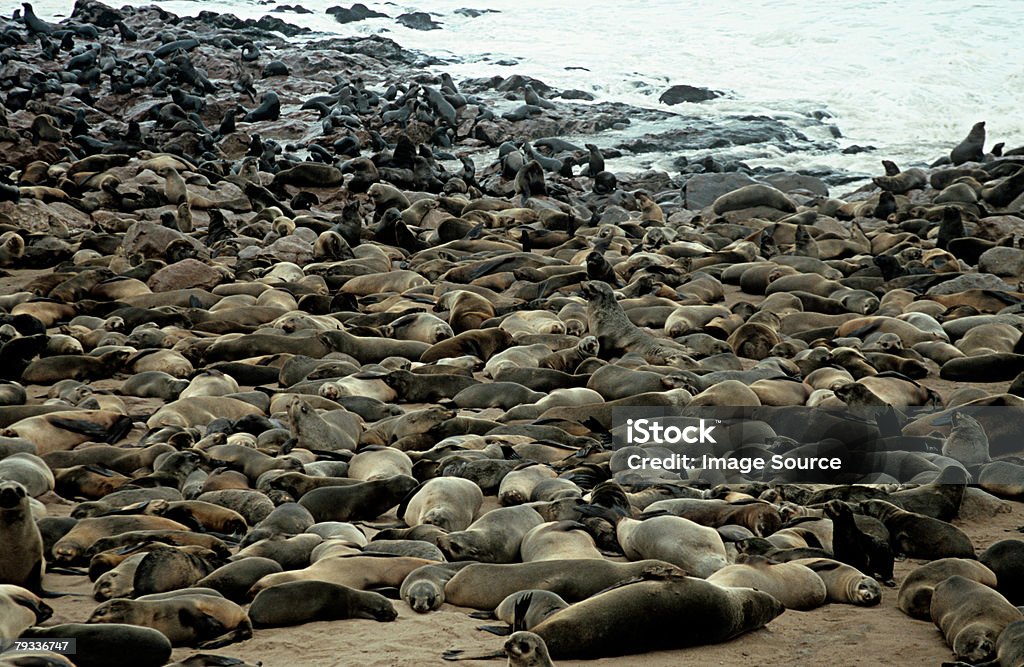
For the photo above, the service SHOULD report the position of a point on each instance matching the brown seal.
(450, 503)
(971, 616)
(300, 602)
(186, 620)
(363, 501)
(21, 560)
(794, 585)
(485, 585)
(919, 536)
(360, 572)
(641, 617)
(114, 645)
(915, 596)
(844, 583)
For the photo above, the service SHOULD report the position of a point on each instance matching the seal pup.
(1006, 560)
(844, 584)
(526, 649)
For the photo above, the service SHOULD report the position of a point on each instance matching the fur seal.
(362, 501)
(616, 335)
(972, 148)
(794, 585)
(919, 536)
(558, 540)
(21, 561)
(298, 602)
(450, 503)
(485, 585)
(971, 616)
(915, 595)
(234, 580)
(423, 589)
(186, 620)
(494, 537)
(1006, 560)
(359, 572)
(845, 584)
(526, 649)
(169, 569)
(113, 645)
(641, 617)
(28, 470)
(20, 609)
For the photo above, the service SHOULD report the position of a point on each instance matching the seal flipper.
(454, 654)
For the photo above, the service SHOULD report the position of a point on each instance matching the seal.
(300, 602)
(234, 580)
(493, 538)
(686, 544)
(795, 586)
(919, 536)
(186, 620)
(28, 470)
(484, 585)
(972, 148)
(58, 431)
(844, 584)
(117, 582)
(640, 617)
(450, 503)
(363, 501)
(169, 569)
(21, 561)
(1006, 560)
(114, 645)
(87, 532)
(558, 540)
(359, 572)
(971, 616)
(523, 610)
(915, 595)
(20, 609)
(851, 545)
(423, 589)
(616, 335)
(526, 649)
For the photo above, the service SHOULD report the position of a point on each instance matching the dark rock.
(855, 149)
(357, 12)
(788, 181)
(573, 94)
(474, 13)
(418, 21)
(96, 13)
(685, 93)
(703, 189)
(296, 9)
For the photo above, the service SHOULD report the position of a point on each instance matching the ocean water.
(908, 77)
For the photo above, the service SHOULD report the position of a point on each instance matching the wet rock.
(685, 93)
(788, 181)
(418, 21)
(358, 12)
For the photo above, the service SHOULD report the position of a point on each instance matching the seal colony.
(274, 354)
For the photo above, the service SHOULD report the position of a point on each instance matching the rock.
(289, 249)
(151, 239)
(474, 13)
(787, 181)
(357, 12)
(996, 227)
(573, 94)
(703, 189)
(297, 9)
(971, 281)
(685, 93)
(418, 21)
(185, 274)
(96, 13)
(1003, 261)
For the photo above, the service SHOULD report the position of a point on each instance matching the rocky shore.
(299, 331)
